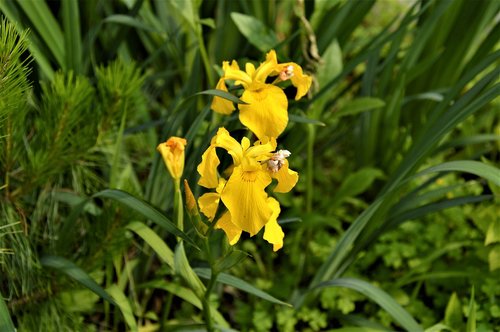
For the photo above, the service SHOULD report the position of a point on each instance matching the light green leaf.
(380, 297)
(453, 313)
(331, 64)
(183, 269)
(240, 284)
(154, 241)
(471, 313)
(493, 233)
(123, 303)
(494, 258)
(5, 320)
(255, 31)
(360, 105)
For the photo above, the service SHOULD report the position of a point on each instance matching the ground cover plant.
(258, 165)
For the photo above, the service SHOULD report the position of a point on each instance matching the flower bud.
(172, 152)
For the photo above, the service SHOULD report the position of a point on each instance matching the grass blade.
(74, 272)
(240, 284)
(478, 168)
(154, 241)
(380, 297)
(5, 320)
(123, 303)
(72, 36)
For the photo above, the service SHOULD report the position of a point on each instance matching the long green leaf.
(45, 23)
(5, 320)
(123, 303)
(74, 272)
(221, 94)
(380, 297)
(72, 37)
(478, 168)
(154, 241)
(144, 209)
(240, 284)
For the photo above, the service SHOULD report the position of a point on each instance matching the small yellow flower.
(243, 194)
(265, 112)
(172, 152)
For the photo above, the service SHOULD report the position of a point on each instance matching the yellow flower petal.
(208, 168)
(224, 140)
(209, 203)
(172, 152)
(273, 232)
(232, 231)
(299, 80)
(246, 200)
(239, 76)
(287, 179)
(266, 113)
(266, 68)
(221, 105)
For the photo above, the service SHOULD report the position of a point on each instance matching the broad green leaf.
(360, 105)
(331, 65)
(154, 241)
(183, 269)
(255, 31)
(380, 297)
(145, 209)
(494, 258)
(123, 303)
(227, 262)
(5, 320)
(302, 119)
(453, 313)
(493, 233)
(356, 183)
(129, 21)
(222, 94)
(478, 168)
(239, 284)
(471, 313)
(74, 272)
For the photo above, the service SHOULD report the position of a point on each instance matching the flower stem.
(311, 135)
(178, 205)
(206, 299)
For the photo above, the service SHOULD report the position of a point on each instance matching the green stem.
(178, 205)
(311, 135)
(206, 299)
(206, 61)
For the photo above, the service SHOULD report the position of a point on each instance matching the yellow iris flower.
(249, 208)
(265, 112)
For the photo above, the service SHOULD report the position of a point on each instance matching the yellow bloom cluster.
(249, 208)
(242, 188)
(266, 110)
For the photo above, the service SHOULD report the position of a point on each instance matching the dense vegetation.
(394, 223)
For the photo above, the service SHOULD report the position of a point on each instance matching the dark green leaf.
(222, 94)
(255, 31)
(5, 320)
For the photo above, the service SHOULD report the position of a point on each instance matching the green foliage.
(396, 146)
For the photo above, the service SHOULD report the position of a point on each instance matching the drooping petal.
(272, 231)
(208, 168)
(209, 203)
(224, 140)
(287, 178)
(265, 113)
(299, 80)
(245, 197)
(221, 105)
(232, 231)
